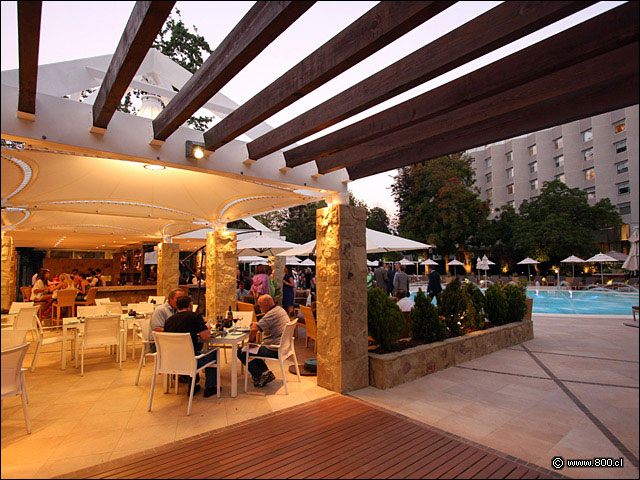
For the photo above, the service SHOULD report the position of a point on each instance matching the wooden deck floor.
(334, 437)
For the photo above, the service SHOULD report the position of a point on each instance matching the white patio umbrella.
(573, 259)
(250, 259)
(404, 261)
(264, 246)
(307, 263)
(631, 263)
(601, 257)
(456, 263)
(372, 263)
(621, 257)
(528, 262)
(293, 261)
(428, 262)
(377, 242)
(485, 265)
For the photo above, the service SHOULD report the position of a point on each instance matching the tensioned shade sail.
(263, 246)
(59, 183)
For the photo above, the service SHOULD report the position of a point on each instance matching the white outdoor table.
(75, 323)
(232, 339)
(8, 319)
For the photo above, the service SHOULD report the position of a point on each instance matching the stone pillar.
(222, 262)
(343, 362)
(168, 268)
(9, 269)
(277, 266)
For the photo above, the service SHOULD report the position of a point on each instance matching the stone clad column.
(9, 262)
(168, 268)
(277, 265)
(222, 262)
(343, 362)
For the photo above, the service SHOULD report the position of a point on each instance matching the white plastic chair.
(13, 382)
(38, 335)
(13, 338)
(285, 350)
(144, 334)
(102, 332)
(159, 299)
(102, 301)
(86, 311)
(113, 308)
(177, 357)
(16, 306)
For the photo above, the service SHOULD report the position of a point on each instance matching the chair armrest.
(206, 353)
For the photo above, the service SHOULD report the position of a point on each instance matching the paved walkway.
(334, 437)
(572, 392)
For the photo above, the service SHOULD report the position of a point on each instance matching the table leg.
(234, 369)
(63, 359)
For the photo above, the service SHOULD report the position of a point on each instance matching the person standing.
(434, 287)
(390, 275)
(400, 280)
(369, 278)
(288, 290)
(260, 285)
(185, 320)
(381, 278)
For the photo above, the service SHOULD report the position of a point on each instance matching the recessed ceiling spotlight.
(154, 167)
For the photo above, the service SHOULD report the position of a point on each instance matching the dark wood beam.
(500, 26)
(262, 24)
(377, 28)
(144, 24)
(29, 16)
(611, 30)
(621, 91)
(564, 82)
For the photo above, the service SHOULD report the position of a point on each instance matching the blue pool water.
(580, 303)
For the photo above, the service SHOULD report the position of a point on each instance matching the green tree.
(438, 202)
(377, 219)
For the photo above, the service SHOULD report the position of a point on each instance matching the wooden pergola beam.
(262, 24)
(144, 24)
(615, 90)
(499, 26)
(611, 30)
(29, 16)
(377, 28)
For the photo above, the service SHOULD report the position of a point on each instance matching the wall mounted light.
(194, 150)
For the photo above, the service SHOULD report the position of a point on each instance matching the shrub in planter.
(495, 305)
(516, 296)
(451, 306)
(384, 318)
(474, 312)
(427, 326)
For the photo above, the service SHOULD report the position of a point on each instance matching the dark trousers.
(258, 367)
(210, 373)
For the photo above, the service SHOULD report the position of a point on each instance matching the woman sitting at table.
(82, 283)
(66, 283)
(43, 293)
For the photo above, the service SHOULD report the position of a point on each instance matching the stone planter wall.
(391, 369)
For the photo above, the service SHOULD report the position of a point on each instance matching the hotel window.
(622, 167)
(557, 143)
(560, 177)
(620, 126)
(489, 193)
(488, 177)
(511, 203)
(588, 154)
(510, 188)
(510, 172)
(533, 184)
(533, 150)
(533, 167)
(621, 146)
(591, 192)
(559, 160)
(589, 173)
(587, 135)
(487, 162)
(624, 208)
(509, 156)
(623, 188)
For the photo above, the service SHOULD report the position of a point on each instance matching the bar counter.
(126, 294)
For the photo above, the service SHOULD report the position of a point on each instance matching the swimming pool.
(580, 303)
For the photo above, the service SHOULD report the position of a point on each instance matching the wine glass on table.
(235, 322)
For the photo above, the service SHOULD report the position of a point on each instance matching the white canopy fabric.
(293, 261)
(632, 260)
(372, 263)
(621, 257)
(404, 261)
(250, 259)
(263, 246)
(307, 263)
(456, 262)
(601, 257)
(86, 198)
(377, 242)
(428, 261)
(572, 259)
(528, 261)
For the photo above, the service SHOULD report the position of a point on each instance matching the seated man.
(271, 325)
(186, 321)
(163, 312)
(404, 302)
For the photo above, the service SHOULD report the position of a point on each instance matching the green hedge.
(495, 305)
(427, 325)
(384, 318)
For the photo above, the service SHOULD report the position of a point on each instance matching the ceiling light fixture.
(194, 150)
(154, 167)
